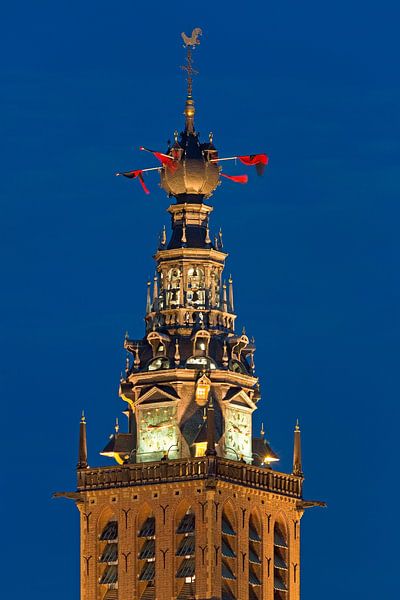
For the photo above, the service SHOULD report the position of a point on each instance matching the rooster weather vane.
(189, 166)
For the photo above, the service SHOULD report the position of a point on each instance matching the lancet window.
(255, 558)
(185, 544)
(229, 554)
(281, 562)
(147, 556)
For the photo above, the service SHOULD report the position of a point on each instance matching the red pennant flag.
(136, 174)
(236, 178)
(260, 161)
(164, 159)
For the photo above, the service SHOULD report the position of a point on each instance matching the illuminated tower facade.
(191, 508)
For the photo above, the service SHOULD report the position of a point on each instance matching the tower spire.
(190, 44)
(297, 466)
(82, 455)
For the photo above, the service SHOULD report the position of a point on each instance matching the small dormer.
(159, 343)
(239, 343)
(201, 342)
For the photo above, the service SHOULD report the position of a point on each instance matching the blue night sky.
(313, 252)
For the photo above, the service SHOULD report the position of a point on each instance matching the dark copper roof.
(120, 443)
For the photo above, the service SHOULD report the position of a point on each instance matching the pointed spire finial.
(155, 291)
(231, 305)
(262, 432)
(82, 453)
(136, 361)
(225, 358)
(177, 356)
(148, 297)
(183, 238)
(127, 364)
(163, 236)
(116, 426)
(297, 462)
(224, 298)
(208, 239)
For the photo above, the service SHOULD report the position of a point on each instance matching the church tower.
(192, 506)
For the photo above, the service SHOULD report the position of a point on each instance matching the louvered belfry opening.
(185, 560)
(108, 559)
(185, 544)
(229, 553)
(147, 557)
(281, 562)
(255, 559)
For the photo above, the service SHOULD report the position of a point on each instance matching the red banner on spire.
(168, 161)
(260, 161)
(138, 174)
(236, 178)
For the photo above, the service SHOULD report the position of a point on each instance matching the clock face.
(237, 433)
(157, 433)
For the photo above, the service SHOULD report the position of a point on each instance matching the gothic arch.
(146, 563)
(106, 514)
(107, 551)
(229, 550)
(255, 555)
(184, 549)
(281, 557)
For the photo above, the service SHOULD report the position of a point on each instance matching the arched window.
(159, 343)
(108, 557)
(255, 558)
(173, 296)
(281, 562)
(146, 554)
(229, 552)
(201, 342)
(215, 289)
(195, 294)
(185, 547)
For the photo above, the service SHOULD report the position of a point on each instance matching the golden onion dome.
(193, 173)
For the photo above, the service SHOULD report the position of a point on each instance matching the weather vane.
(190, 44)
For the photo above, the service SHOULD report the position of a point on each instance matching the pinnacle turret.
(297, 462)
(82, 454)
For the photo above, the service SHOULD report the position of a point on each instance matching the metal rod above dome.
(190, 44)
